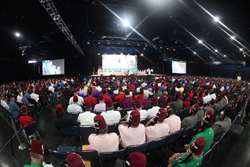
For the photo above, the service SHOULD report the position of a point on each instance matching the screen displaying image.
(178, 67)
(119, 62)
(53, 67)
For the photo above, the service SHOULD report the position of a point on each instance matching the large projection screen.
(53, 67)
(179, 67)
(112, 62)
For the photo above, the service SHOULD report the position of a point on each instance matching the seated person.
(64, 120)
(87, 117)
(101, 106)
(223, 125)
(19, 97)
(159, 129)
(74, 108)
(120, 97)
(173, 121)
(145, 102)
(93, 100)
(25, 119)
(34, 96)
(191, 119)
(153, 111)
(138, 107)
(127, 102)
(5, 102)
(80, 99)
(102, 141)
(14, 109)
(190, 158)
(111, 116)
(134, 133)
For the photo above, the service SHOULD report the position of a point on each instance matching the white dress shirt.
(99, 88)
(5, 105)
(74, 109)
(86, 118)
(153, 111)
(34, 96)
(143, 114)
(80, 100)
(148, 92)
(111, 117)
(207, 99)
(19, 99)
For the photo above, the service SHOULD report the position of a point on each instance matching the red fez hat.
(59, 109)
(36, 147)
(220, 95)
(214, 90)
(208, 117)
(195, 108)
(228, 111)
(104, 91)
(120, 89)
(75, 99)
(200, 102)
(74, 160)
(100, 122)
(169, 108)
(24, 109)
(162, 113)
(155, 100)
(141, 90)
(212, 102)
(197, 146)
(66, 84)
(170, 98)
(196, 94)
(93, 84)
(75, 90)
(135, 116)
(100, 96)
(137, 159)
(127, 92)
(87, 104)
(187, 95)
(178, 94)
(138, 103)
(89, 91)
(11, 95)
(109, 103)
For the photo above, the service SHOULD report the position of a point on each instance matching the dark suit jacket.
(66, 121)
(178, 105)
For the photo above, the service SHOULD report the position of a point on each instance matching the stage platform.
(138, 75)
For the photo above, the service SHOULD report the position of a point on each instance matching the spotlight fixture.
(241, 49)
(98, 53)
(225, 55)
(216, 50)
(195, 53)
(126, 23)
(216, 19)
(17, 34)
(200, 41)
(88, 43)
(141, 54)
(232, 37)
(244, 55)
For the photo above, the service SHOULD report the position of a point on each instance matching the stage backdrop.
(112, 62)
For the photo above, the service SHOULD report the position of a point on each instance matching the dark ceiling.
(162, 25)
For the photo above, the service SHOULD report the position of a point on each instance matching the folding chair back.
(174, 136)
(88, 155)
(70, 132)
(58, 155)
(112, 155)
(86, 131)
(137, 148)
(30, 129)
(157, 143)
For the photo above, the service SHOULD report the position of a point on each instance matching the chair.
(58, 155)
(66, 149)
(157, 143)
(174, 136)
(75, 116)
(86, 131)
(19, 104)
(70, 132)
(137, 148)
(88, 155)
(112, 128)
(112, 155)
(31, 130)
(37, 105)
(144, 121)
(183, 113)
(187, 131)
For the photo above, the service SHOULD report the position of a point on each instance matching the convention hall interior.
(99, 82)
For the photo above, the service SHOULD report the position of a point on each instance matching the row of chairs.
(91, 155)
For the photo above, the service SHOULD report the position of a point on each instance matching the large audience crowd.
(143, 108)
